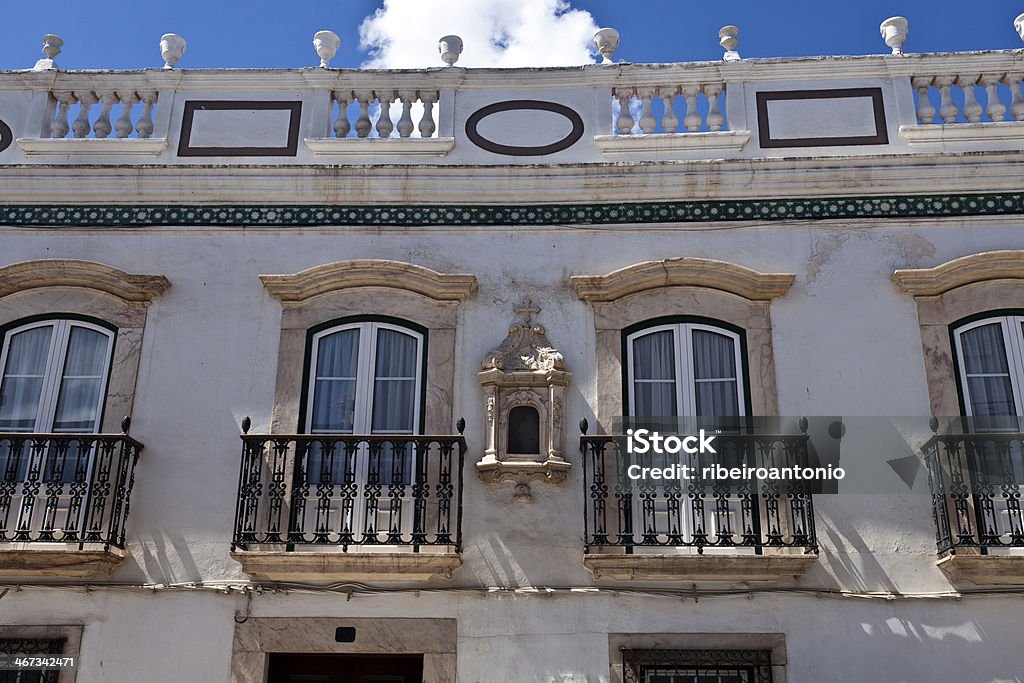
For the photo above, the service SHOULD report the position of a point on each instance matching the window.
(36, 647)
(365, 379)
(690, 369)
(697, 666)
(991, 366)
(54, 377)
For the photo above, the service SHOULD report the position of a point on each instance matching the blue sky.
(276, 34)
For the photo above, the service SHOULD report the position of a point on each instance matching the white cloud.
(496, 33)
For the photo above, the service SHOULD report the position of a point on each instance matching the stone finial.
(607, 42)
(326, 44)
(172, 47)
(51, 48)
(1018, 24)
(894, 30)
(729, 38)
(450, 47)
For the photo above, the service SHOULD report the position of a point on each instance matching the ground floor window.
(32, 647)
(697, 666)
(345, 668)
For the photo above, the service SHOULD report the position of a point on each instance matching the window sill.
(707, 567)
(437, 147)
(706, 144)
(45, 559)
(92, 146)
(351, 566)
(984, 570)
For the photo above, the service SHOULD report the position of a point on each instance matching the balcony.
(977, 481)
(698, 529)
(64, 501)
(349, 507)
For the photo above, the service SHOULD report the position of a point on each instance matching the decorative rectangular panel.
(239, 128)
(821, 118)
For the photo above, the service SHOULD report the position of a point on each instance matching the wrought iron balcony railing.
(350, 491)
(66, 488)
(699, 512)
(976, 483)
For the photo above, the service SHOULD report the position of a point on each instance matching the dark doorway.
(304, 668)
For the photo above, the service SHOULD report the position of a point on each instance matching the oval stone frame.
(6, 136)
(524, 150)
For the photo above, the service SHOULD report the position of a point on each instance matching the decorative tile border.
(1007, 203)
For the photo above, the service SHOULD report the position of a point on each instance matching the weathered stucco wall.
(846, 342)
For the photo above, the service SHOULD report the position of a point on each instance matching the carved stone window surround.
(698, 287)
(950, 292)
(54, 287)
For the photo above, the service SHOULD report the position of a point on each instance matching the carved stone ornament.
(524, 382)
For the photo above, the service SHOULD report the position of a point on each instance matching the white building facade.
(355, 348)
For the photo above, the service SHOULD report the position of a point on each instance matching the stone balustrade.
(100, 113)
(687, 107)
(354, 112)
(746, 108)
(950, 98)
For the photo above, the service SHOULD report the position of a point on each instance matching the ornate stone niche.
(524, 381)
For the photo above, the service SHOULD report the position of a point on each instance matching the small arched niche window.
(55, 375)
(685, 369)
(990, 359)
(524, 431)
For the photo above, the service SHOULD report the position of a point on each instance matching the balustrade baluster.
(405, 125)
(925, 108)
(947, 108)
(144, 126)
(669, 122)
(384, 125)
(102, 127)
(123, 127)
(59, 128)
(81, 126)
(1013, 82)
(341, 125)
(363, 124)
(647, 121)
(972, 109)
(692, 120)
(996, 110)
(715, 118)
(427, 126)
(624, 123)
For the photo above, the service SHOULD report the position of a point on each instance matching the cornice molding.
(26, 275)
(695, 272)
(983, 267)
(332, 277)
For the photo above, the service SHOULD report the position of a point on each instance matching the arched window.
(685, 369)
(55, 375)
(365, 378)
(990, 359)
